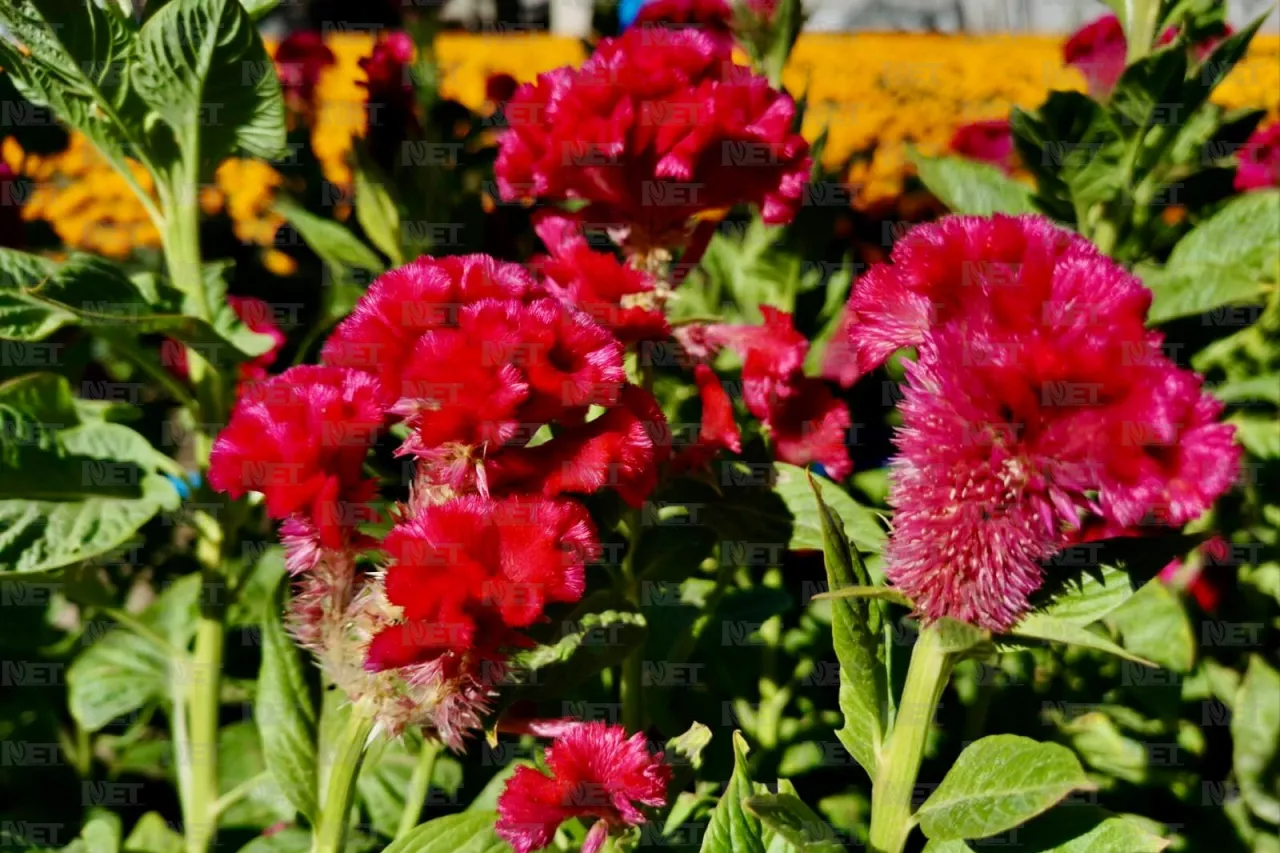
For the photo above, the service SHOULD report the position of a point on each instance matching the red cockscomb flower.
(1259, 160)
(300, 438)
(807, 422)
(654, 128)
(987, 142)
(300, 59)
(427, 294)
(614, 294)
(713, 17)
(1098, 51)
(596, 771)
(1039, 400)
(468, 572)
(1207, 575)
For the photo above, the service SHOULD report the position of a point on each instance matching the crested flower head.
(1039, 402)
(300, 438)
(1259, 160)
(467, 572)
(657, 126)
(390, 102)
(596, 771)
(713, 17)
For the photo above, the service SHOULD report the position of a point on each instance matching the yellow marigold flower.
(278, 263)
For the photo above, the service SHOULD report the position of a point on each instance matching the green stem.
(331, 830)
(899, 764)
(419, 785)
(201, 818)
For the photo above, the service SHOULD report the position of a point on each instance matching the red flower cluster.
(617, 296)
(713, 17)
(596, 771)
(657, 126)
(987, 142)
(1039, 401)
(806, 422)
(470, 570)
(300, 59)
(300, 438)
(1207, 576)
(1259, 160)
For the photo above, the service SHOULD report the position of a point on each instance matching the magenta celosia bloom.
(657, 126)
(712, 17)
(300, 439)
(300, 59)
(1039, 402)
(987, 142)
(596, 771)
(1259, 160)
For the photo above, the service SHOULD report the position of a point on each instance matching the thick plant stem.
(206, 671)
(891, 817)
(419, 785)
(330, 833)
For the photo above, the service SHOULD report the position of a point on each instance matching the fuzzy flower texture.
(1040, 406)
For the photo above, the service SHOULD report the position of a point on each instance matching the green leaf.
(125, 671)
(806, 533)
(350, 264)
(733, 829)
(689, 745)
(1226, 260)
(291, 839)
(1154, 625)
(468, 832)
(100, 834)
(68, 495)
(788, 817)
(1080, 828)
(72, 57)
(1095, 594)
(376, 209)
(20, 318)
(967, 186)
(883, 593)
(856, 629)
(997, 783)
(1255, 732)
(152, 834)
(588, 644)
(202, 67)
(240, 760)
(116, 676)
(385, 774)
(258, 9)
(286, 717)
(1042, 626)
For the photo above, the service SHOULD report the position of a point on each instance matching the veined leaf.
(997, 783)
(799, 827)
(1255, 731)
(70, 491)
(732, 828)
(467, 832)
(1042, 626)
(376, 209)
(202, 67)
(285, 716)
(1094, 595)
(856, 628)
(806, 533)
(967, 186)
(1154, 625)
(1226, 260)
